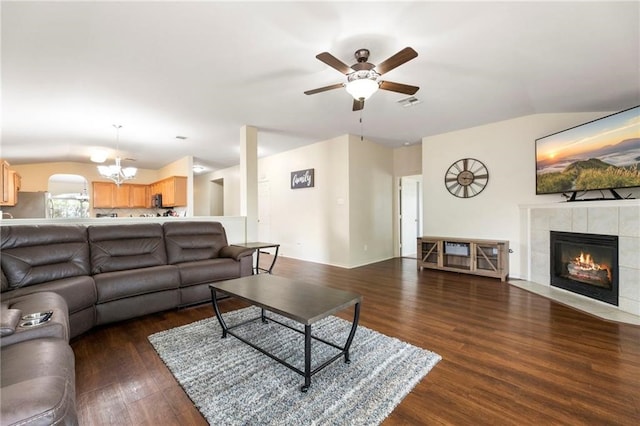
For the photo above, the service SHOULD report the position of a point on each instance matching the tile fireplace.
(586, 264)
(620, 218)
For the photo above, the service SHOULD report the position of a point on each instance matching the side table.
(260, 246)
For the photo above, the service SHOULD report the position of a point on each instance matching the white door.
(410, 214)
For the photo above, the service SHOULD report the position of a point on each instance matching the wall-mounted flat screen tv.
(601, 154)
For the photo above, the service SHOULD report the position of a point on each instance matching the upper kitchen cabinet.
(140, 196)
(122, 196)
(102, 195)
(108, 195)
(173, 190)
(10, 184)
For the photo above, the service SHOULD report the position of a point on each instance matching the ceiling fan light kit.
(362, 77)
(362, 87)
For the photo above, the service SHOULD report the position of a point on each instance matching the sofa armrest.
(9, 321)
(57, 326)
(235, 252)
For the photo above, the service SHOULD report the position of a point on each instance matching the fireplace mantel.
(611, 217)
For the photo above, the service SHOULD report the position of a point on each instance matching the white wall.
(354, 201)
(349, 207)
(507, 148)
(208, 201)
(407, 161)
(310, 223)
(230, 187)
(370, 202)
(202, 196)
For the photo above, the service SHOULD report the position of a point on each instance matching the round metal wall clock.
(466, 178)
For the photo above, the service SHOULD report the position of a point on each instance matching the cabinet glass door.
(487, 257)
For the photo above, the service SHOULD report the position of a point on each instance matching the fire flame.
(585, 261)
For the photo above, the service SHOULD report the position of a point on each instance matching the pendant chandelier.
(116, 172)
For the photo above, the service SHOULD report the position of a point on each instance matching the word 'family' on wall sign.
(302, 179)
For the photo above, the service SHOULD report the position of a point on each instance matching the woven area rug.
(234, 384)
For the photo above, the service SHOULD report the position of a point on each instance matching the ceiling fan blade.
(358, 104)
(405, 55)
(334, 62)
(398, 87)
(324, 89)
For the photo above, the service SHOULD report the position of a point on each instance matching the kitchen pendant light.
(116, 172)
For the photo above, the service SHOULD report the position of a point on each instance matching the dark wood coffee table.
(299, 301)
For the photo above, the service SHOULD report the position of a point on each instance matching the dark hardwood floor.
(509, 356)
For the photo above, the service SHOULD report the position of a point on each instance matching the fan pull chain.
(361, 132)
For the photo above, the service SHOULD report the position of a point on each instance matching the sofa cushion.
(38, 383)
(136, 306)
(126, 247)
(120, 284)
(33, 254)
(192, 241)
(78, 292)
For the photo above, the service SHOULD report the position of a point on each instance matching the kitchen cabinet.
(107, 195)
(139, 196)
(173, 190)
(10, 184)
(102, 195)
(121, 196)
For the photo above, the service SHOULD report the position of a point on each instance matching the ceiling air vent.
(409, 102)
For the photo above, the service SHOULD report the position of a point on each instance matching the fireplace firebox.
(586, 264)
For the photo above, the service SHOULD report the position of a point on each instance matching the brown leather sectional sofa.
(88, 276)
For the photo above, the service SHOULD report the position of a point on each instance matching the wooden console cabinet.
(489, 258)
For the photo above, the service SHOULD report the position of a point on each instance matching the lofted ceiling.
(203, 69)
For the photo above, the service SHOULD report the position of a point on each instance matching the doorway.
(216, 197)
(68, 196)
(410, 214)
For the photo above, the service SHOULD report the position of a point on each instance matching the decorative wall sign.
(302, 179)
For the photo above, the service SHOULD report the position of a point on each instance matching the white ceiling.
(204, 69)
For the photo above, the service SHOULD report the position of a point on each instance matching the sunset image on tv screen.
(601, 154)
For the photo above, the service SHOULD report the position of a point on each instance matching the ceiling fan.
(362, 77)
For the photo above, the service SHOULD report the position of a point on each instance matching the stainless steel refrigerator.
(30, 205)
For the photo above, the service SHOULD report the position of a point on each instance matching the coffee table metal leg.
(217, 311)
(307, 358)
(354, 326)
(275, 256)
